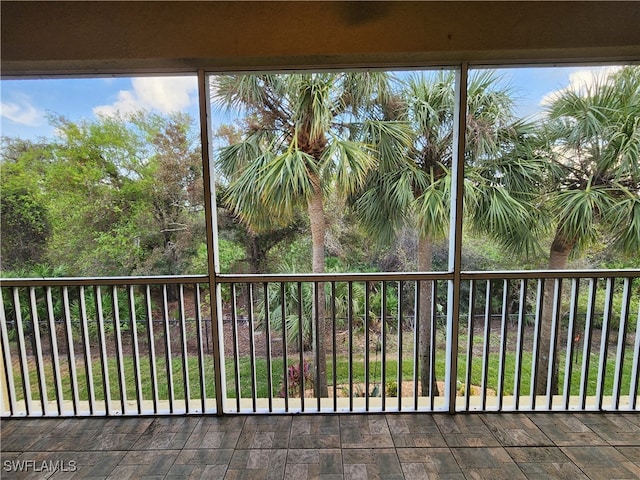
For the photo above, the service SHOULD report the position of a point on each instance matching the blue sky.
(27, 103)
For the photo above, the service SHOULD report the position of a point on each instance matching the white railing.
(110, 346)
(154, 345)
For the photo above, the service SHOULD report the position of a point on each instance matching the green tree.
(125, 195)
(593, 135)
(24, 216)
(257, 242)
(305, 134)
(413, 189)
(172, 190)
(96, 162)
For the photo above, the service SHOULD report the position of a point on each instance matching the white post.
(455, 235)
(212, 242)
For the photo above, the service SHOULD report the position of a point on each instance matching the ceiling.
(89, 38)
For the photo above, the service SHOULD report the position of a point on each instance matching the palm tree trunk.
(318, 230)
(425, 250)
(558, 259)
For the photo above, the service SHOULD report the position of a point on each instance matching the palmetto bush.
(90, 312)
(293, 303)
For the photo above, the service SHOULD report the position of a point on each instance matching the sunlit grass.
(261, 386)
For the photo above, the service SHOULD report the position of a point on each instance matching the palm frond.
(386, 204)
(507, 219)
(312, 109)
(595, 133)
(432, 209)
(231, 160)
(623, 218)
(245, 195)
(285, 180)
(352, 162)
(578, 212)
(389, 141)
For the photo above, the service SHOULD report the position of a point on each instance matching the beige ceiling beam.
(49, 38)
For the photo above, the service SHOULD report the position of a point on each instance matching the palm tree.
(304, 135)
(594, 176)
(414, 189)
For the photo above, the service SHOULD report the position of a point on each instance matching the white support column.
(3, 383)
(455, 235)
(212, 242)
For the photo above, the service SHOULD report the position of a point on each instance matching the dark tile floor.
(412, 446)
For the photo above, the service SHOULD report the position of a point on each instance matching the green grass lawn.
(342, 369)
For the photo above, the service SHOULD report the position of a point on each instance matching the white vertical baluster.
(135, 348)
(71, 355)
(185, 352)
(604, 342)
(8, 364)
(635, 367)
(519, 346)
(106, 385)
(57, 377)
(167, 349)
(153, 369)
(35, 321)
(568, 364)
(622, 334)
(120, 363)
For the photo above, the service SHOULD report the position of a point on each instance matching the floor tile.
(428, 462)
(511, 429)
(631, 453)
(163, 433)
(566, 429)
(465, 431)
(494, 446)
(216, 432)
(17, 438)
(371, 463)
(365, 431)
(315, 462)
(265, 432)
(141, 463)
(544, 462)
(315, 432)
(60, 442)
(491, 463)
(615, 429)
(259, 464)
(600, 463)
(414, 431)
(201, 462)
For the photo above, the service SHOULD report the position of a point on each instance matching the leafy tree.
(24, 217)
(125, 195)
(257, 242)
(304, 135)
(95, 163)
(593, 138)
(172, 188)
(413, 189)
(230, 254)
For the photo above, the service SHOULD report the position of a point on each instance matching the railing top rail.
(410, 276)
(91, 281)
(321, 277)
(534, 274)
(334, 277)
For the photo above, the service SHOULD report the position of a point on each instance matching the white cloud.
(22, 112)
(164, 94)
(580, 81)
